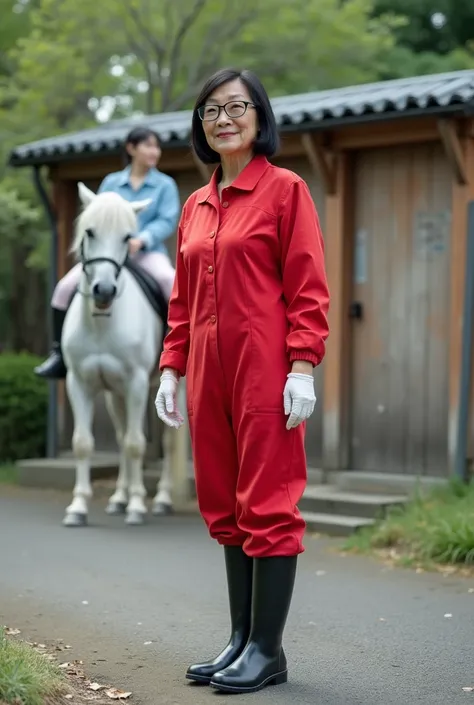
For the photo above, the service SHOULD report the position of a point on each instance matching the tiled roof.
(293, 112)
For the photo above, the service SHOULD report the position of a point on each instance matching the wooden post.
(320, 161)
(462, 194)
(65, 204)
(206, 170)
(339, 246)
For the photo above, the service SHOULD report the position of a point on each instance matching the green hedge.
(23, 408)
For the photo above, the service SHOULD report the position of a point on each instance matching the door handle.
(356, 310)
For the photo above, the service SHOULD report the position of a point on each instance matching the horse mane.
(109, 215)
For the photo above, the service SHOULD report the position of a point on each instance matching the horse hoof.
(135, 518)
(116, 508)
(75, 520)
(160, 509)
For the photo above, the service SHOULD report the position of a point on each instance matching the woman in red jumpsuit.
(248, 322)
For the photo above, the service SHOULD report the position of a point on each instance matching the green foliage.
(8, 474)
(422, 45)
(23, 408)
(24, 246)
(163, 56)
(24, 222)
(422, 34)
(436, 528)
(27, 677)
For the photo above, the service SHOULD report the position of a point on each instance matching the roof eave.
(460, 108)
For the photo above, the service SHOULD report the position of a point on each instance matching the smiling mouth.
(226, 134)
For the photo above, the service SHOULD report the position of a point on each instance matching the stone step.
(334, 524)
(152, 475)
(387, 483)
(329, 499)
(59, 473)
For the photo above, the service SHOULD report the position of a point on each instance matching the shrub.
(23, 408)
(435, 528)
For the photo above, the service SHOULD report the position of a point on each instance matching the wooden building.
(391, 169)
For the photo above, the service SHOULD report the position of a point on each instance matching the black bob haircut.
(136, 136)
(267, 141)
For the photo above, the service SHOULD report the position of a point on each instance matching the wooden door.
(314, 426)
(400, 323)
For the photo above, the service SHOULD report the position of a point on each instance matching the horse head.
(103, 229)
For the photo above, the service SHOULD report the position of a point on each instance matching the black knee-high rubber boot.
(239, 569)
(54, 367)
(263, 660)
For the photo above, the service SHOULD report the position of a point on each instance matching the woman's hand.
(135, 244)
(298, 395)
(165, 402)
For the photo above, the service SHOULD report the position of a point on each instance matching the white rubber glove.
(165, 402)
(299, 398)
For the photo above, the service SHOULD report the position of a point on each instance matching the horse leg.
(118, 501)
(136, 401)
(83, 445)
(162, 502)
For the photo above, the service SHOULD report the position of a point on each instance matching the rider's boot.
(54, 367)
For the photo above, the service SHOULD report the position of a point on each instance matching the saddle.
(152, 291)
(150, 288)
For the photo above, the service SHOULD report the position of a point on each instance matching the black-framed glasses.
(234, 109)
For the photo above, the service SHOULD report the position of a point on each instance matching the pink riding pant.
(155, 263)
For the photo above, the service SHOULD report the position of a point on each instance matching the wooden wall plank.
(461, 195)
(339, 258)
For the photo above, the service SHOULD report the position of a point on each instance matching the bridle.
(94, 260)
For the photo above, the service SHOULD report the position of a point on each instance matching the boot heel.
(279, 679)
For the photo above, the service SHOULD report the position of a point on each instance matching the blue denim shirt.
(159, 220)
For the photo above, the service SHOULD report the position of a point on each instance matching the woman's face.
(146, 153)
(229, 136)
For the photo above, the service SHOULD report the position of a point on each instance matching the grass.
(8, 474)
(26, 676)
(434, 529)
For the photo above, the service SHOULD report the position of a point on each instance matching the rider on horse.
(138, 181)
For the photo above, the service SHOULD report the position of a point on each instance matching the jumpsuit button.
(225, 204)
(213, 319)
(212, 234)
(210, 269)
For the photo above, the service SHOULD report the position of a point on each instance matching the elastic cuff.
(176, 360)
(304, 357)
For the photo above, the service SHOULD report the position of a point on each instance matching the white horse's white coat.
(111, 345)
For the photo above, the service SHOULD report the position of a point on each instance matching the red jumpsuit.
(249, 297)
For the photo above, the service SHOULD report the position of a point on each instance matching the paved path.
(358, 634)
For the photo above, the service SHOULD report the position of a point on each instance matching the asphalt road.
(359, 633)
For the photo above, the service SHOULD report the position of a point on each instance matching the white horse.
(111, 341)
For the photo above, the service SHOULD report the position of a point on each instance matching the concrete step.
(334, 524)
(387, 483)
(59, 473)
(329, 499)
(152, 475)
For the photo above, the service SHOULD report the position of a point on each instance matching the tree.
(22, 298)
(82, 57)
(436, 37)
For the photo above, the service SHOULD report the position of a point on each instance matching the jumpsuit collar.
(246, 180)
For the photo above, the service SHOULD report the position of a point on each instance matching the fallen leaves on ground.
(96, 686)
(9, 631)
(116, 694)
